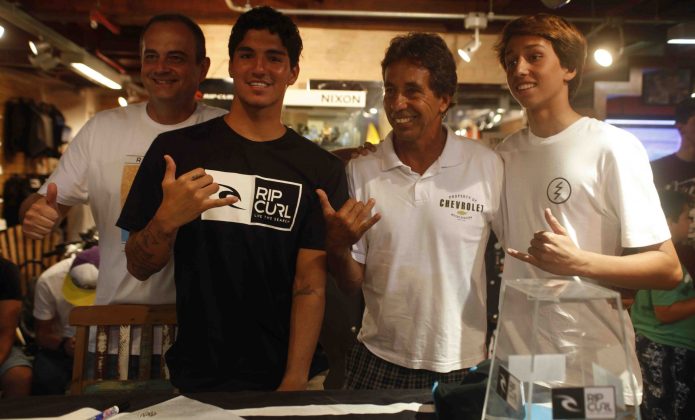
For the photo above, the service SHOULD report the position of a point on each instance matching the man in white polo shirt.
(434, 196)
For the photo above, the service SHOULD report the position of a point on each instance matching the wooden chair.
(28, 253)
(123, 318)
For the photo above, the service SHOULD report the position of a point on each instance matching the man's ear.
(294, 74)
(204, 68)
(569, 75)
(445, 104)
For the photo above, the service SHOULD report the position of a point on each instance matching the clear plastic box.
(560, 352)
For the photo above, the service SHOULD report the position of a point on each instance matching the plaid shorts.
(364, 370)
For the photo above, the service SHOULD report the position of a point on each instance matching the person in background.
(665, 324)
(579, 196)
(677, 171)
(412, 237)
(69, 283)
(15, 366)
(232, 201)
(99, 165)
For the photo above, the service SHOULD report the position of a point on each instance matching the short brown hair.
(184, 20)
(568, 42)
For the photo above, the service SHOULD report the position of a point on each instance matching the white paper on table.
(546, 367)
(181, 407)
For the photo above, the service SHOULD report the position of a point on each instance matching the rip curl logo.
(262, 201)
(509, 388)
(226, 191)
(274, 202)
(559, 190)
(568, 403)
(590, 403)
(462, 206)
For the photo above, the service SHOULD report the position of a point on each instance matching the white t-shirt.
(425, 289)
(48, 297)
(98, 168)
(596, 180)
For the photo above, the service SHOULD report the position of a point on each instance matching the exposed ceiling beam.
(69, 51)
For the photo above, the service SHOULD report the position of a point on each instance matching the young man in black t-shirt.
(234, 200)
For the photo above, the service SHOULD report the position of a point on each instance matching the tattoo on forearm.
(143, 258)
(305, 291)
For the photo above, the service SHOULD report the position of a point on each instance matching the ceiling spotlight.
(555, 4)
(475, 21)
(2, 31)
(603, 57)
(122, 101)
(466, 53)
(608, 45)
(42, 56)
(41, 47)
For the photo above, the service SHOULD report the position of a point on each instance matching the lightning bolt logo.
(559, 190)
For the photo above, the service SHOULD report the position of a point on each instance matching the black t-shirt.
(9, 281)
(672, 172)
(235, 266)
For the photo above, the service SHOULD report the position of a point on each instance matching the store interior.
(344, 42)
(63, 61)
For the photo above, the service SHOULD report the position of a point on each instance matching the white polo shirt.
(424, 288)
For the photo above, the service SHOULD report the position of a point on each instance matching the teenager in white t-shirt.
(579, 197)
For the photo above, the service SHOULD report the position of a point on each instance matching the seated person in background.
(232, 202)
(69, 283)
(664, 321)
(15, 366)
(421, 267)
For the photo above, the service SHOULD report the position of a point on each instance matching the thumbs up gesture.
(186, 197)
(43, 214)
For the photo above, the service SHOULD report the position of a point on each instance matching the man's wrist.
(61, 347)
(161, 225)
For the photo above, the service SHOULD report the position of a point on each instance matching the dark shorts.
(668, 374)
(364, 370)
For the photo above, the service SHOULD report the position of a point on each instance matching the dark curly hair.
(265, 17)
(430, 52)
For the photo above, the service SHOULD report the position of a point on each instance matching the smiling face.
(169, 69)
(534, 73)
(261, 70)
(412, 108)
